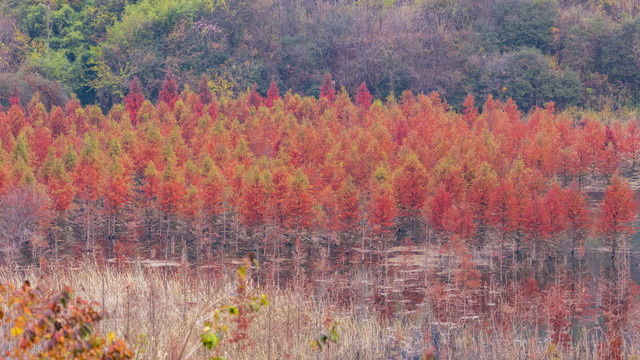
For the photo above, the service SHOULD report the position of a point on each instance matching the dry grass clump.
(153, 310)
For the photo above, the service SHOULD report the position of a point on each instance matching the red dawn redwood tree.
(253, 202)
(58, 123)
(632, 141)
(594, 139)
(578, 221)
(411, 186)
(583, 159)
(555, 204)
(253, 197)
(400, 131)
(88, 183)
(87, 174)
(499, 214)
(326, 90)
(37, 112)
(118, 180)
(213, 191)
(278, 204)
(469, 111)
(150, 183)
(479, 197)
(440, 203)
(458, 220)
(536, 221)
(133, 101)
(171, 195)
(117, 189)
(363, 97)
(16, 118)
(300, 202)
(40, 141)
(381, 208)
(348, 205)
(618, 213)
(172, 188)
(272, 94)
(609, 156)
(466, 276)
(278, 210)
(61, 191)
(3, 171)
(577, 215)
(382, 204)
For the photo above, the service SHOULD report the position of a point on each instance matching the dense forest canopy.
(570, 52)
(477, 216)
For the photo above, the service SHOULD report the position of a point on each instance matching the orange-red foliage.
(325, 164)
(619, 208)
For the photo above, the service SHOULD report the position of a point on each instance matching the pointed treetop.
(381, 207)
(300, 180)
(273, 94)
(411, 181)
(576, 207)
(133, 101)
(114, 148)
(70, 158)
(382, 175)
(469, 110)
(363, 98)
(619, 208)
(327, 90)
(348, 204)
(58, 123)
(21, 149)
(150, 170)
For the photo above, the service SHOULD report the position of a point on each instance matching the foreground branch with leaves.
(54, 327)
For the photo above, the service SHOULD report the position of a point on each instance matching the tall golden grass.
(161, 313)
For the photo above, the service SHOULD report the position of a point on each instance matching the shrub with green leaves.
(240, 312)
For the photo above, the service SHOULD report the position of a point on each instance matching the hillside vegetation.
(575, 53)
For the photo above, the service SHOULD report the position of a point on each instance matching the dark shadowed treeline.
(570, 52)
